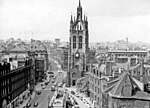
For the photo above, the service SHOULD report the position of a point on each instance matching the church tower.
(79, 46)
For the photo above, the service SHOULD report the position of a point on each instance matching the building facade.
(79, 46)
(39, 69)
(65, 60)
(97, 84)
(122, 56)
(15, 84)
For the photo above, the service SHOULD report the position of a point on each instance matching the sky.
(109, 20)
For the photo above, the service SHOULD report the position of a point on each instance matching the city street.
(46, 93)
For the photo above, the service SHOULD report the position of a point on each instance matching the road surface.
(42, 99)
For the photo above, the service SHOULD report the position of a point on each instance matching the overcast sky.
(109, 20)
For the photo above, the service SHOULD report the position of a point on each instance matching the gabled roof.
(18, 49)
(119, 86)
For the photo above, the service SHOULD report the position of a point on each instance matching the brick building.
(15, 84)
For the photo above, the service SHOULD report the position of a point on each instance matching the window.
(95, 97)
(73, 75)
(80, 41)
(95, 80)
(74, 41)
(97, 72)
(94, 71)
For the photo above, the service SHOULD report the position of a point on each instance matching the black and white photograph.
(74, 53)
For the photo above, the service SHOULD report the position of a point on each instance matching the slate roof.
(63, 45)
(18, 49)
(117, 88)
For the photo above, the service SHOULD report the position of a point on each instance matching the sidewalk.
(27, 100)
(32, 96)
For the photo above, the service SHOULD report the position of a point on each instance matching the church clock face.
(77, 55)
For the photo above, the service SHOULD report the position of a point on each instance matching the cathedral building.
(79, 46)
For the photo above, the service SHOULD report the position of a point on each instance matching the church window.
(74, 41)
(80, 41)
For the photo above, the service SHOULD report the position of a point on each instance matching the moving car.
(53, 81)
(60, 85)
(28, 105)
(38, 92)
(35, 104)
(43, 87)
(46, 82)
(55, 84)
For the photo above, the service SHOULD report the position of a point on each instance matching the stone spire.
(79, 4)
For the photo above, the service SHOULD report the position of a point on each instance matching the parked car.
(42, 84)
(38, 92)
(28, 105)
(35, 104)
(24, 107)
(43, 87)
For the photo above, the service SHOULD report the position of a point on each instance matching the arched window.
(80, 41)
(74, 41)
